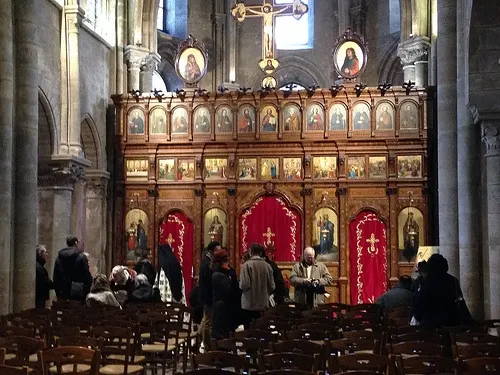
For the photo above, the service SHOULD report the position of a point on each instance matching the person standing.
(309, 278)
(205, 292)
(72, 278)
(43, 282)
(145, 267)
(257, 284)
(226, 296)
(169, 279)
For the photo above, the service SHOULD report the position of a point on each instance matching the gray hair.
(40, 249)
(309, 249)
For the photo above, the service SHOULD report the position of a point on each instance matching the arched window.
(295, 34)
(293, 85)
(98, 18)
(172, 18)
(159, 83)
(394, 16)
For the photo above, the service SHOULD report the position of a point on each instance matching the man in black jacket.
(72, 278)
(205, 293)
(43, 282)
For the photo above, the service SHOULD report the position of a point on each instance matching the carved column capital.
(135, 57)
(96, 184)
(413, 50)
(74, 16)
(490, 129)
(150, 62)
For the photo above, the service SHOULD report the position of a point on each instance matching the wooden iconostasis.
(287, 169)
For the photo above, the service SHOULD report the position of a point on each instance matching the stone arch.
(390, 67)
(167, 49)
(142, 17)
(91, 143)
(48, 140)
(300, 70)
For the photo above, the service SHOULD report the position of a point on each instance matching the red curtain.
(368, 257)
(177, 230)
(271, 222)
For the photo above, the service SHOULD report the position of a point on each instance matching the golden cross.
(268, 12)
(170, 239)
(269, 235)
(372, 240)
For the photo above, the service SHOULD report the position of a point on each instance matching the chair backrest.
(208, 371)
(473, 338)
(2, 354)
(346, 346)
(426, 336)
(86, 342)
(309, 334)
(475, 350)
(425, 365)
(359, 361)
(415, 348)
(302, 347)
(116, 345)
(242, 345)
(296, 361)
(258, 334)
(220, 359)
(482, 365)
(10, 370)
(287, 372)
(76, 357)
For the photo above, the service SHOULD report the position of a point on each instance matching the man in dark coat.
(43, 282)
(437, 304)
(171, 269)
(145, 267)
(205, 292)
(400, 295)
(280, 292)
(72, 278)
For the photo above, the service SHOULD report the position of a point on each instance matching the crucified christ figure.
(267, 15)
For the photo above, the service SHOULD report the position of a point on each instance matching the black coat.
(205, 282)
(71, 266)
(43, 284)
(226, 303)
(170, 265)
(436, 303)
(280, 291)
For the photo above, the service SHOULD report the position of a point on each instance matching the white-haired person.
(100, 293)
(122, 281)
(309, 277)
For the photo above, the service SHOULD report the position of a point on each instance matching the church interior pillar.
(413, 54)
(490, 128)
(343, 15)
(70, 71)
(95, 223)
(147, 69)
(231, 44)
(6, 123)
(25, 144)
(135, 58)
(469, 228)
(447, 134)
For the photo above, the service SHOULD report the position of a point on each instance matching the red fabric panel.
(368, 258)
(181, 230)
(284, 223)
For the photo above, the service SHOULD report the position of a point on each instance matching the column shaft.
(447, 133)
(344, 17)
(26, 146)
(468, 214)
(6, 136)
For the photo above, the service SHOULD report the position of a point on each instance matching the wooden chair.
(287, 372)
(258, 334)
(69, 360)
(243, 346)
(160, 345)
(275, 326)
(116, 350)
(426, 336)
(10, 370)
(2, 356)
(86, 342)
(359, 362)
(413, 348)
(318, 336)
(295, 361)
(302, 347)
(482, 366)
(458, 338)
(425, 365)
(361, 372)
(475, 350)
(222, 360)
(351, 346)
(21, 351)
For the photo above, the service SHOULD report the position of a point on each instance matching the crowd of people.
(222, 301)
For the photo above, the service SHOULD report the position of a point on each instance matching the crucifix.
(170, 239)
(268, 11)
(268, 234)
(372, 241)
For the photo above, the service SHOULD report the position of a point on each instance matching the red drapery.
(368, 258)
(270, 221)
(177, 230)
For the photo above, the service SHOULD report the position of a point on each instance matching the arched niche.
(215, 227)
(325, 224)
(403, 217)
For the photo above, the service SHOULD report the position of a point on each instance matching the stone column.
(343, 15)
(357, 13)
(413, 54)
(6, 123)
(490, 128)
(70, 81)
(135, 58)
(469, 225)
(96, 223)
(231, 44)
(147, 69)
(25, 152)
(447, 133)
(55, 201)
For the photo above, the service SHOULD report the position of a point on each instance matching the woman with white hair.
(100, 293)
